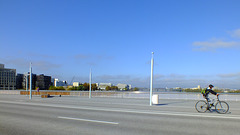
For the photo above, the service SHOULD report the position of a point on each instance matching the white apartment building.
(103, 86)
(123, 86)
(76, 84)
(58, 83)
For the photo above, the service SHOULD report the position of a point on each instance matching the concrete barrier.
(44, 93)
(13, 92)
(124, 94)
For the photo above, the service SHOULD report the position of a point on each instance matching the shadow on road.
(160, 104)
(214, 111)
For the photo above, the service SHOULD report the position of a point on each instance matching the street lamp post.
(30, 95)
(151, 81)
(90, 84)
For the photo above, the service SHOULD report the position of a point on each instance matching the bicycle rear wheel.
(201, 106)
(222, 107)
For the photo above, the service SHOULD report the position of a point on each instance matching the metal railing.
(128, 94)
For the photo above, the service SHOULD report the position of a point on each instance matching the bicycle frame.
(220, 106)
(212, 102)
(218, 101)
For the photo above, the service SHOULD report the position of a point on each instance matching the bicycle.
(220, 106)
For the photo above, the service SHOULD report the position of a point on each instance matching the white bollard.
(155, 99)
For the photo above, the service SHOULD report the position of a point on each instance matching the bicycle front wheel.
(222, 107)
(201, 106)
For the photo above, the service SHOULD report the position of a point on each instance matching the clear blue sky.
(195, 42)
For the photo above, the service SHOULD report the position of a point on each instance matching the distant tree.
(86, 86)
(60, 88)
(108, 88)
(114, 88)
(56, 88)
(52, 88)
(135, 89)
(80, 87)
(94, 86)
(72, 88)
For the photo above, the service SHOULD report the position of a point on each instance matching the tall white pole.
(151, 82)
(90, 84)
(30, 96)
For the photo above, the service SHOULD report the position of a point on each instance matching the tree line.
(85, 87)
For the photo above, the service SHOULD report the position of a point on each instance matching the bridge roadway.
(107, 116)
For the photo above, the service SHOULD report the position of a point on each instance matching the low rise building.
(123, 86)
(76, 84)
(58, 83)
(102, 86)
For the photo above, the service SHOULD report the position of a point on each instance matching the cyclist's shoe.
(209, 108)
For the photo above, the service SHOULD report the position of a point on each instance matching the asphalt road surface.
(111, 116)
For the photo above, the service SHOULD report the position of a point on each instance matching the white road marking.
(172, 113)
(88, 120)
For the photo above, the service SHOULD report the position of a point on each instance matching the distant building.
(199, 87)
(76, 84)
(7, 78)
(19, 81)
(43, 82)
(102, 86)
(1, 66)
(123, 86)
(58, 83)
(26, 81)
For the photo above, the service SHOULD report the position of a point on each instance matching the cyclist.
(207, 91)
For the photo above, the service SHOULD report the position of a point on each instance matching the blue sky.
(194, 42)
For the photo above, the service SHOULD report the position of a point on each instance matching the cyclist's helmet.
(211, 85)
